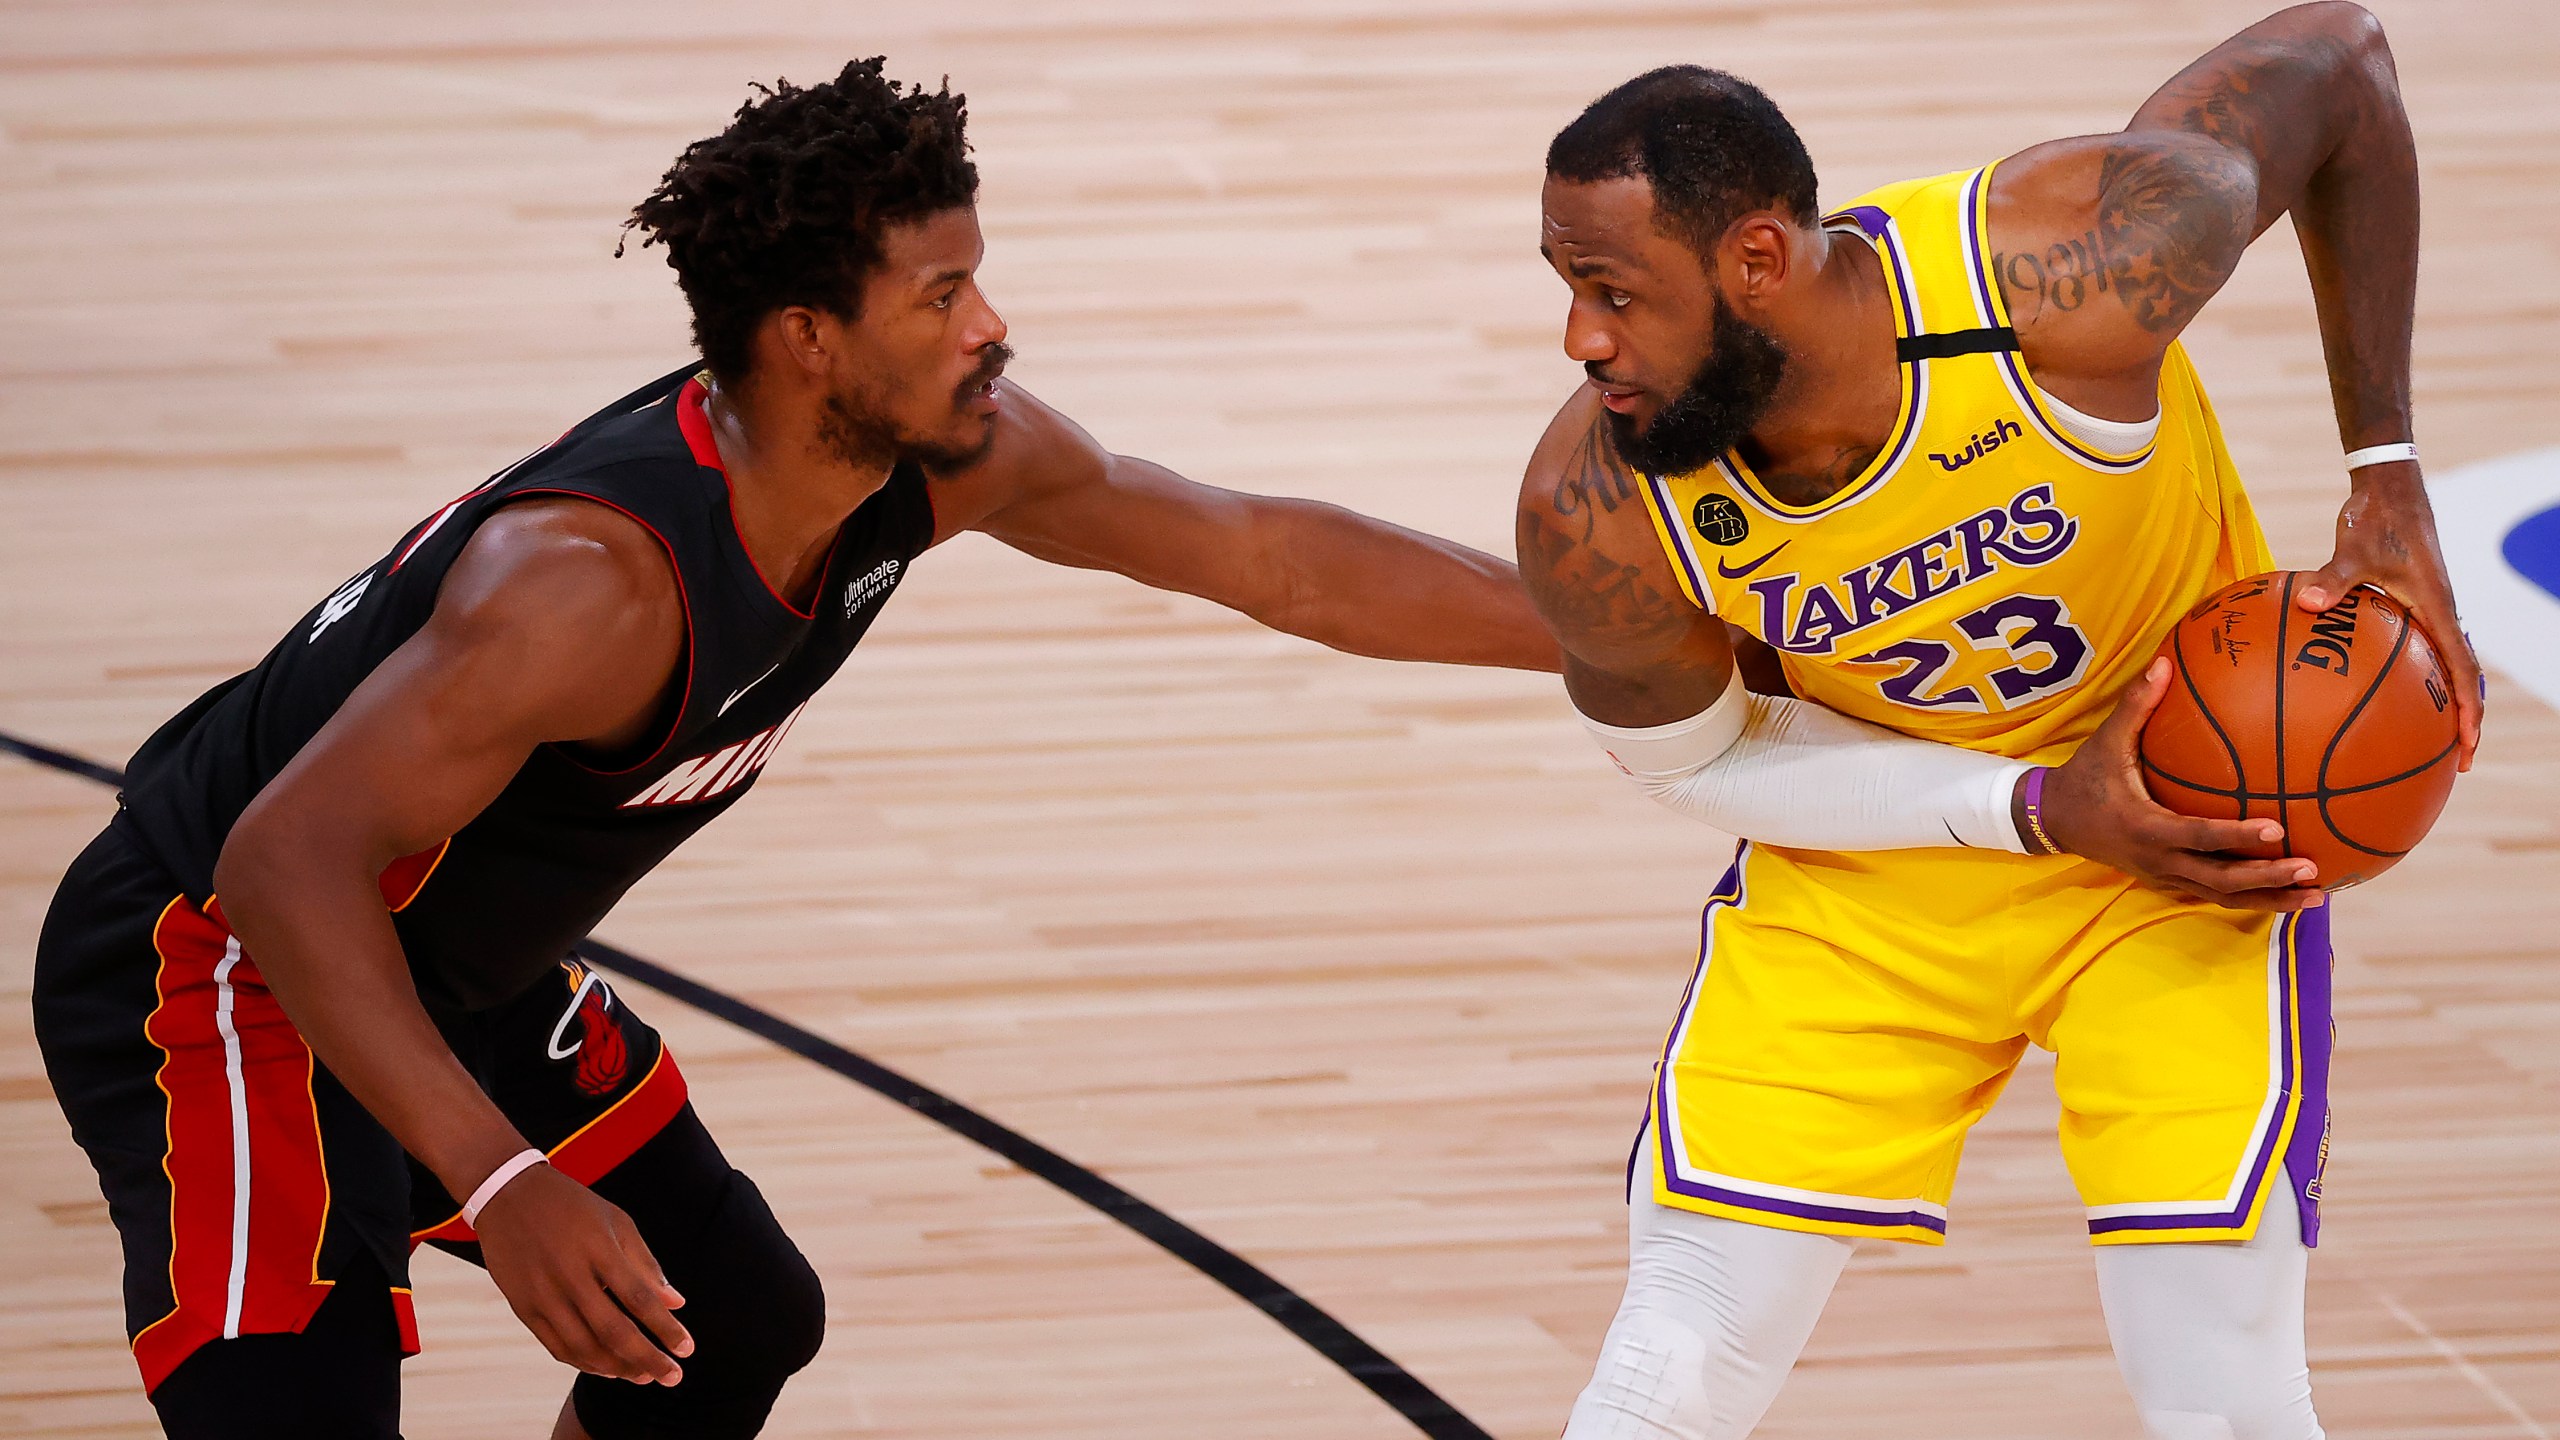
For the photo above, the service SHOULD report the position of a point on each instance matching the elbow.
(251, 860)
(1293, 605)
(274, 850)
(2353, 26)
(1276, 585)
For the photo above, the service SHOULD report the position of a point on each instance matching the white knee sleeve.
(2209, 1335)
(1715, 1313)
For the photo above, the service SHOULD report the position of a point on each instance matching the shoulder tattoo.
(1590, 581)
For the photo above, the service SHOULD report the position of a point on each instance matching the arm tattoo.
(2172, 226)
(1593, 480)
(2252, 85)
(2171, 223)
(1595, 597)
(2063, 276)
(2172, 215)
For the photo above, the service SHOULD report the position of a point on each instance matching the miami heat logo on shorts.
(603, 1058)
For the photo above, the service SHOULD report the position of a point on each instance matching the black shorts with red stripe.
(244, 1181)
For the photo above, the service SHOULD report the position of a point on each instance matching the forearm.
(2309, 101)
(2357, 219)
(1790, 772)
(324, 945)
(1370, 588)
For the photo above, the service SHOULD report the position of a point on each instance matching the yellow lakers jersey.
(1988, 580)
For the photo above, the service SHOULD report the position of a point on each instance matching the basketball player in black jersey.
(306, 1000)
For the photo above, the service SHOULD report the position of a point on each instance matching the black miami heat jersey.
(495, 907)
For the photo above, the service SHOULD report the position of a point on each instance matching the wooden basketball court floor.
(1354, 967)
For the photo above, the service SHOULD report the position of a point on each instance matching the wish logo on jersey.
(1802, 619)
(707, 777)
(1983, 444)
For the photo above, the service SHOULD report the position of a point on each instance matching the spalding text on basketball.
(2333, 638)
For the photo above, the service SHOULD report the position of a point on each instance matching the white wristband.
(2381, 455)
(524, 1160)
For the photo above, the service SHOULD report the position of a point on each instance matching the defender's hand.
(2095, 806)
(2387, 539)
(576, 1272)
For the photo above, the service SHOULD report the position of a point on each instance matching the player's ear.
(1758, 256)
(806, 336)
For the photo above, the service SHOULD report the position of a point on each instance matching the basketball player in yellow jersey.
(1938, 456)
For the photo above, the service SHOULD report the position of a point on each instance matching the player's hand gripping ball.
(2339, 725)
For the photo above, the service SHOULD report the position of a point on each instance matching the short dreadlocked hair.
(1711, 145)
(786, 206)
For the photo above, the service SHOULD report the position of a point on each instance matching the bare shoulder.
(581, 561)
(571, 606)
(1588, 551)
(1037, 451)
(2105, 247)
(1577, 484)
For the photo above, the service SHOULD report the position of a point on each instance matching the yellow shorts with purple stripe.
(1852, 1016)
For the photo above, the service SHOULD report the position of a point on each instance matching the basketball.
(2338, 725)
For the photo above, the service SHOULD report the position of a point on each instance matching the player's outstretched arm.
(2107, 246)
(559, 622)
(1310, 569)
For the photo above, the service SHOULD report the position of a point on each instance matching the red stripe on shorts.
(248, 1183)
(602, 1143)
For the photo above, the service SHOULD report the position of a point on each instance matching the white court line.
(2462, 1366)
(2511, 619)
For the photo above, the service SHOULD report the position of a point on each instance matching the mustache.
(997, 356)
(1598, 376)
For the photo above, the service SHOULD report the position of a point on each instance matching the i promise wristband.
(2033, 800)
(524, 1160)
(2381, 455)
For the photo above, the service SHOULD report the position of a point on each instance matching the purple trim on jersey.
(1985, 290)
(1729, 892)
(2062, 437)
(1902, 281)
(1969, 229)
(1905, 281)
(1870, 218)
(1680, 551)
(1873, 222)
(2303, 949)
(2308, 1154)
(1831, 1214)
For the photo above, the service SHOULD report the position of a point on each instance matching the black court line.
(1301, 1317)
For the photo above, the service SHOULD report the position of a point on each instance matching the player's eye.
(941, 301)
(1618, 299)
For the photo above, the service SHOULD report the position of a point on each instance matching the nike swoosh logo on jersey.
(1734, 572)
(750, 685)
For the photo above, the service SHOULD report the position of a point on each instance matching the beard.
(1731, 389)
(855, 430)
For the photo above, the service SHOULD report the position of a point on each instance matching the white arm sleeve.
(1789, 772)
